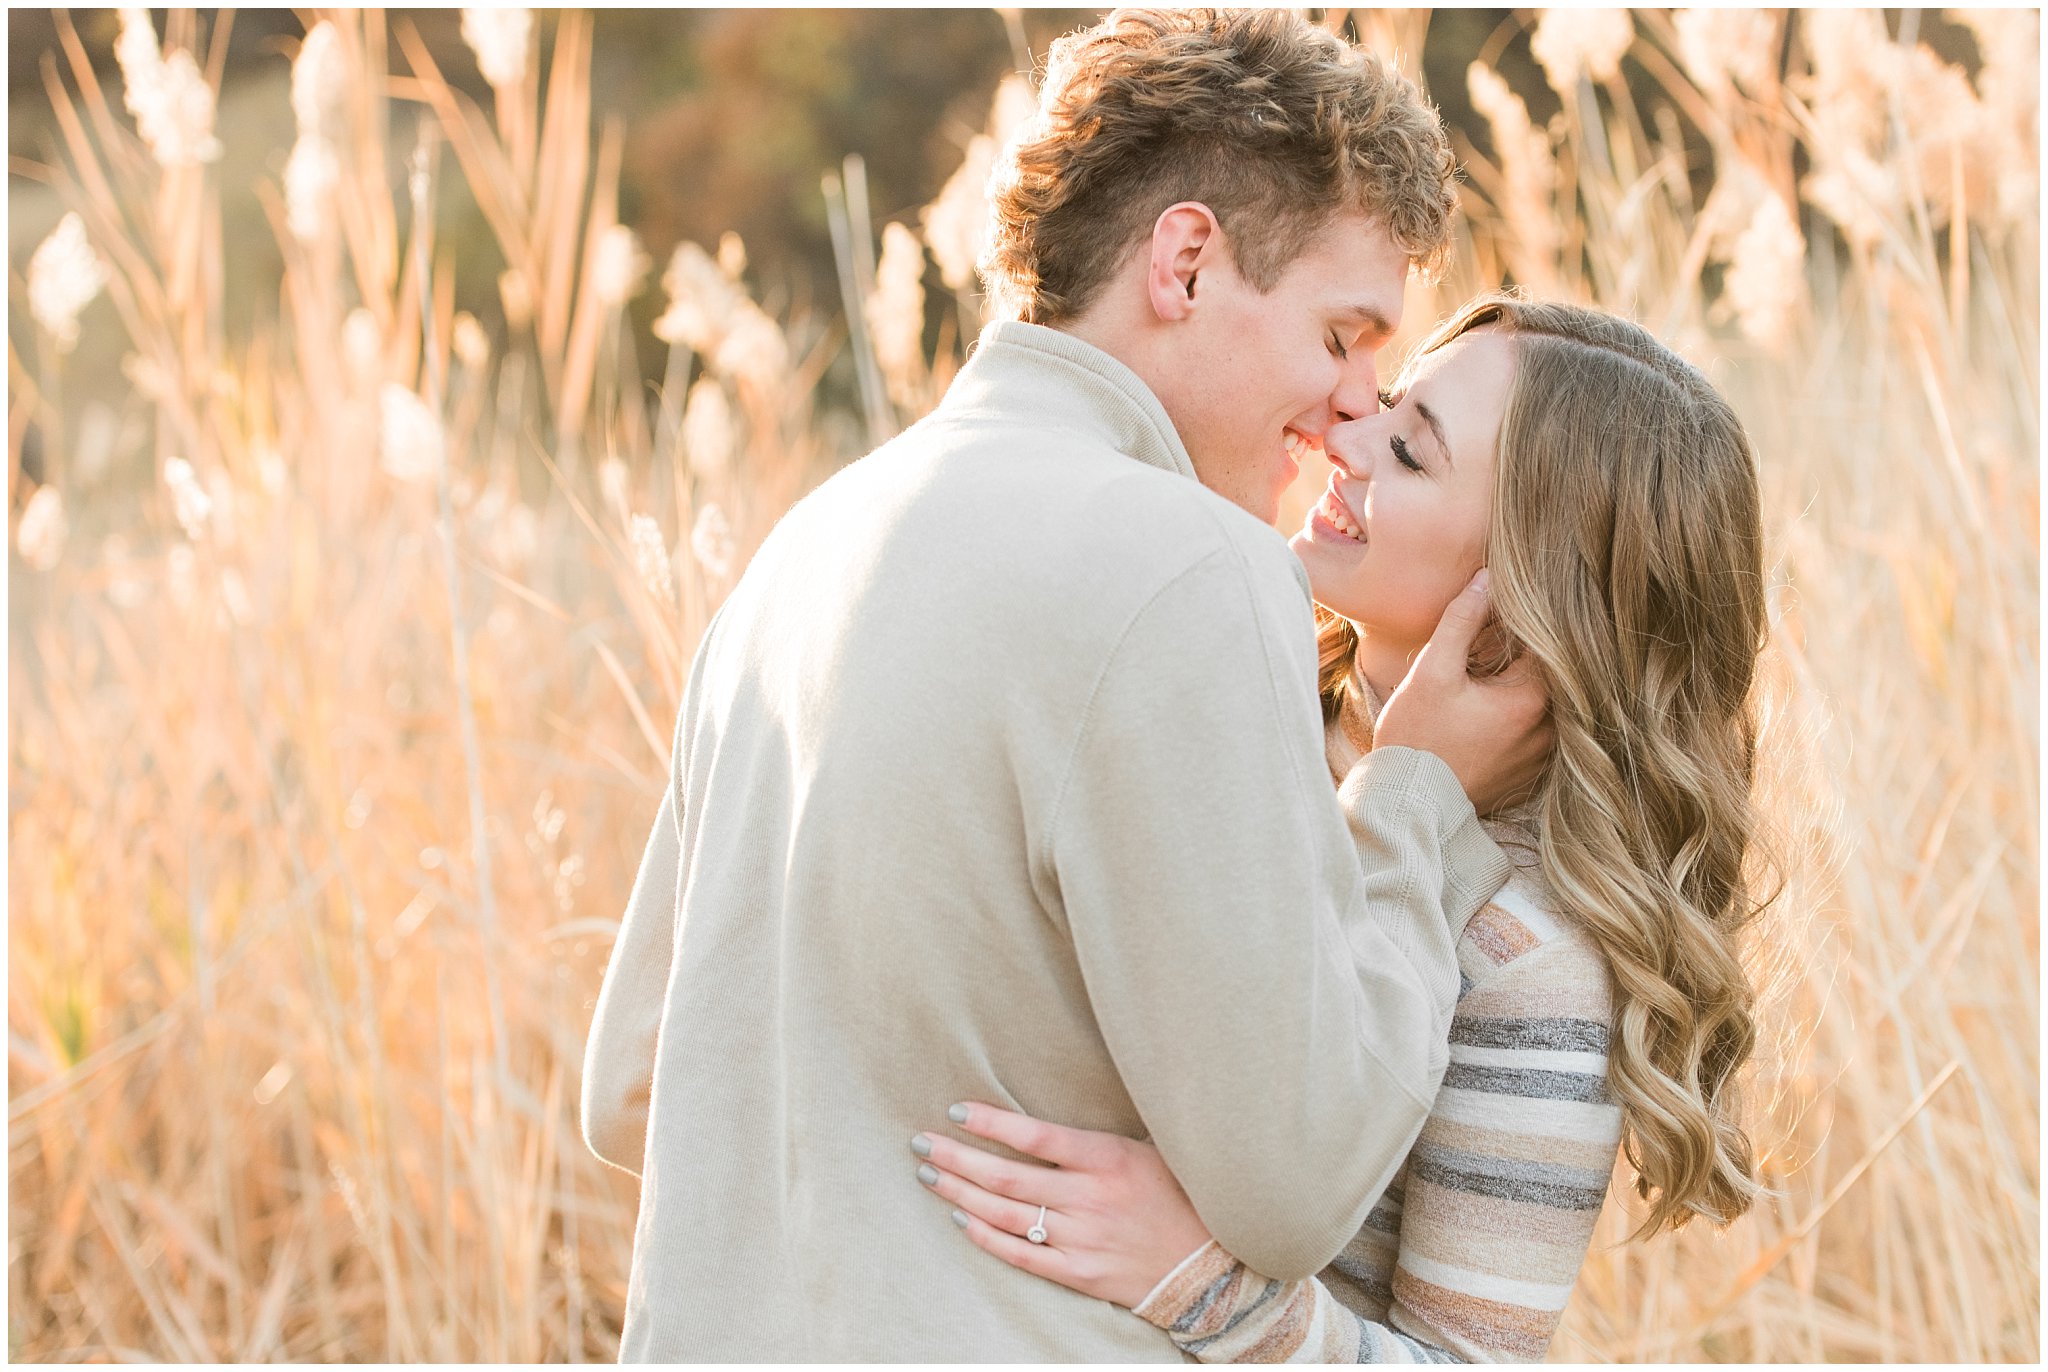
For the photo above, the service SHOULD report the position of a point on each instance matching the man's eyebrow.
(1371, 316)
(1436, 427)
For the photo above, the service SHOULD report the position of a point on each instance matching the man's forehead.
(1361, 273)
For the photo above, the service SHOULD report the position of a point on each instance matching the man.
(999, 776)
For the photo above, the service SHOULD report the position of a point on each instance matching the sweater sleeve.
(1507, 1181)
(618, 1061)
(1276, 1015)
(1218, 1310)
(1504, 1188)
(625, 1028)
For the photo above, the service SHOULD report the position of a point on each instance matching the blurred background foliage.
(730, 119)
(369, 492)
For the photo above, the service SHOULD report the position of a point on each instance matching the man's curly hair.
(1267, 120)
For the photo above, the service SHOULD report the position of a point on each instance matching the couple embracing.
(1083, 925)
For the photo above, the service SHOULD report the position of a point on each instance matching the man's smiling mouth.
(1297, 444)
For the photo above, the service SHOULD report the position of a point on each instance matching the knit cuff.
(1180, 1291)
(1474, 868)
(1474, 871)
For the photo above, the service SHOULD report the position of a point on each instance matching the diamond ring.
(1037, 1234)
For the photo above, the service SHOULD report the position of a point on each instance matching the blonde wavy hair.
(1626, 553)
(1269, 121)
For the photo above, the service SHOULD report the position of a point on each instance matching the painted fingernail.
(928, 1174)
(921, 1146)
(957, 1114)
(959, 1219)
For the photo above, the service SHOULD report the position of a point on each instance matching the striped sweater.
(1473, 1250)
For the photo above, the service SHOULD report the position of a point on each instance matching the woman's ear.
(1186, 241)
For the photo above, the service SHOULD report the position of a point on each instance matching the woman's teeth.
(1334, 511)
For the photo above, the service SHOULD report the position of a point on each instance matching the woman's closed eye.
(1401, 453)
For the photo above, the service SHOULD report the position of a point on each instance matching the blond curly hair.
(1272, 123)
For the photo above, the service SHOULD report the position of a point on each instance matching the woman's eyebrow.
(1435, 427)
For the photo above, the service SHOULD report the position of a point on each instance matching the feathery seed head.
(471, 345)
(362, 348)
(2009, 84)
(711, 313)
(1014, 106)
(754, 352)
(500, 38)
(311, 175)
(732, 254)
(703, 303)
(708, 430)
(320, 83)
(619, 267)
(651, 558)
(410, 444)
(40, 534)
(169, 97)
(1722, 49)
(956, 224)
(64, 276)
(895, 311)
(190, 503)
(1766, 280)
(1529, 177)
(711, 543)
(1590, 41)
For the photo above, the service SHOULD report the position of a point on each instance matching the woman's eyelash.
(1402, 455)
(1343, 353)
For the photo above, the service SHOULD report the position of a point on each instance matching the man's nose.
(1358, 389)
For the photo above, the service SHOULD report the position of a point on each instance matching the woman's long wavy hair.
(1626, 553)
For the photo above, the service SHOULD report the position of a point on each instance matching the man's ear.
(1186, 241)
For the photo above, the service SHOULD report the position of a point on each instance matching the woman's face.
(1402, 525)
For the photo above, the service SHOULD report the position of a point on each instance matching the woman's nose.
(1344, 447)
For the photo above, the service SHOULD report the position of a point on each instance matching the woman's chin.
(1326, 583)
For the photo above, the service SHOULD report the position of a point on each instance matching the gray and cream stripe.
(1472, 1253)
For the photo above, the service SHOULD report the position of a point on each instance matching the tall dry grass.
(331, 762)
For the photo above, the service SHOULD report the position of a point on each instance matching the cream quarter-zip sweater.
(999, 776)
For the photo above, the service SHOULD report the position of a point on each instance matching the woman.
(1612, 495)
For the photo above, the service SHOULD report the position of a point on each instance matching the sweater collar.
(1034, 374)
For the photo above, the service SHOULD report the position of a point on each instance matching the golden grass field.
(332, 752)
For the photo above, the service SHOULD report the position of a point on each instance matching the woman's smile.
(1333, 518)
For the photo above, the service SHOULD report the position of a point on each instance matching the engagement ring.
(1037, 1234)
